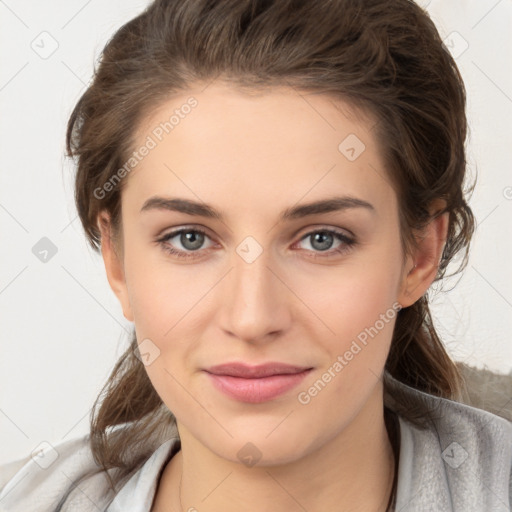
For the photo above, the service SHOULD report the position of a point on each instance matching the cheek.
(358, 304)
(364, 329)
(351, 297)
(360, 309)
(160, 293)
(165, 300)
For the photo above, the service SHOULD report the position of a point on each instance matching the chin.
(255, 447)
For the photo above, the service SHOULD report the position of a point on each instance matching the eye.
(322, 240)
(190, 239)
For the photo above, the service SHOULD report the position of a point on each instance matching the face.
(265, 278)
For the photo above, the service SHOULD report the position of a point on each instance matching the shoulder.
(66, 478)
(41, 480)
(458, 458)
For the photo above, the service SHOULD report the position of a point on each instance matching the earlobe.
(113, 265)
(423, 265)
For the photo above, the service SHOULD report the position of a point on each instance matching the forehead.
(261, 146)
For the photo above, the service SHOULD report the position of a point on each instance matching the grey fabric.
(458, 460)
(453, 458)
(488, 390)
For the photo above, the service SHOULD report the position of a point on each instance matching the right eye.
(191, 239)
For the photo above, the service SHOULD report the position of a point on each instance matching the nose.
(255, 299)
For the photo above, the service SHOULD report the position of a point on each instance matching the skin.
(251, 156)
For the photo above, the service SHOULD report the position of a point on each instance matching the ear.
(113, 264)
(421, 267)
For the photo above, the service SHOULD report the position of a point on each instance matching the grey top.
(458, 460)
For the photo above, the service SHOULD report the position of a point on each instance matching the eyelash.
(348, 243)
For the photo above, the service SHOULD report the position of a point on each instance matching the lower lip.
(257, 390)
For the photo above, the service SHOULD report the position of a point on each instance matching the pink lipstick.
(255, 384)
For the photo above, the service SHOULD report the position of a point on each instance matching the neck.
(352, 472)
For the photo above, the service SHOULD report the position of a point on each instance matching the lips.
(255, 384)
(249, 372)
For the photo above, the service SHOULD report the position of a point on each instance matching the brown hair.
(385, 57)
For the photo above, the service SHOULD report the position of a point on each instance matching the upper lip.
(263, 370)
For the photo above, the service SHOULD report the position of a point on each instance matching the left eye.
(193, 239)
(322, 241)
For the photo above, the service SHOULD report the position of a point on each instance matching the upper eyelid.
(309, 230)
(176, 231)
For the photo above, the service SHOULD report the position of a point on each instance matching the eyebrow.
(296, 212)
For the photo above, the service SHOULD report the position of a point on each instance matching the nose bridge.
(251, 277)
(254, 304)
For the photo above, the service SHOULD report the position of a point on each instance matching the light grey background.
(62, 328)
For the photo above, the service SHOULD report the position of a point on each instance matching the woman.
(274, 186)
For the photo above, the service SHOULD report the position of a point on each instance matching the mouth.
(256, 384)
(243, 370)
